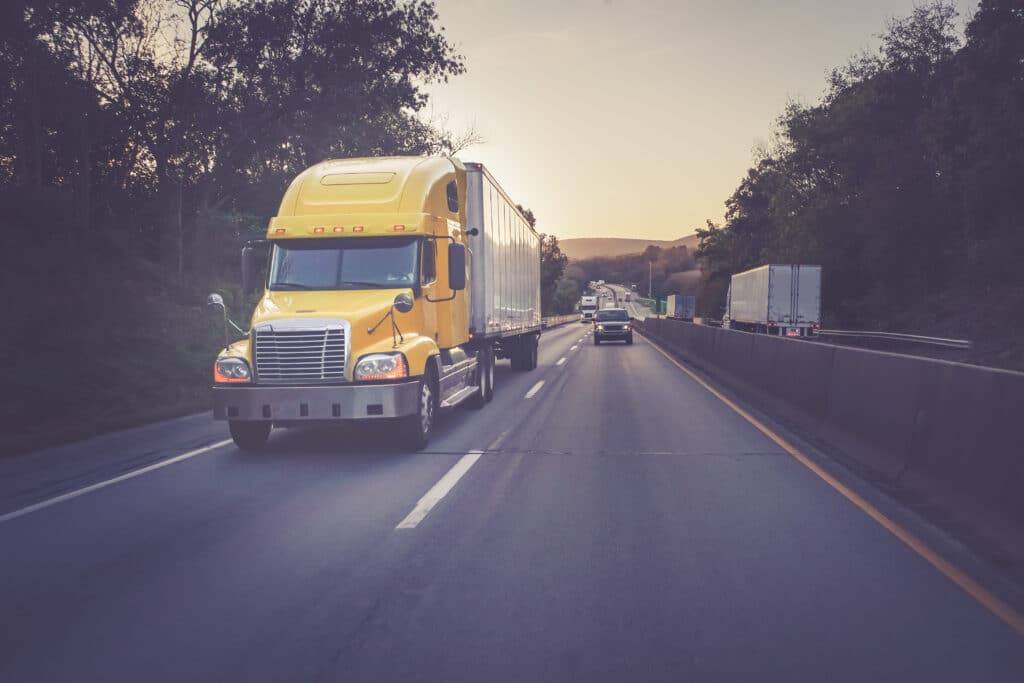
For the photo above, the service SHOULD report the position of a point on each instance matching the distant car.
(628, 298)
(612, 323)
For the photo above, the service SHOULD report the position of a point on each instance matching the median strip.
(109, 482)
(441, 489)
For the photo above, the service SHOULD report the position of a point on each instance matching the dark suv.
(612, 323)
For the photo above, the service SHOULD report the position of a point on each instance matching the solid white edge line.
(561, 361)
(110, 482)
(439, 490)
(534, 389)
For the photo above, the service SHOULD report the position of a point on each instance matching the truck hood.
(362, 308)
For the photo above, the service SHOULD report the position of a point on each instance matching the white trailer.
(779, 299)
(504, 267)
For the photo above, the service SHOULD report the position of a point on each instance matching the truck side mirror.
(403, 303)
(215, 304)
(456, 266)
(248, 269)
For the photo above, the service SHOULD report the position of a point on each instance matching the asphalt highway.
(634, 308)
(605, 518)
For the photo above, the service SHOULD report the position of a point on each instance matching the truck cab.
(588, 307)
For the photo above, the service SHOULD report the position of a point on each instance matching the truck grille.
(286, 355)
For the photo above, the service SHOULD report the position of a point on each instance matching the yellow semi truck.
(393, 284)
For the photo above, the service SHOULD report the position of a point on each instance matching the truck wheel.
(415, 430)
(485, 379)
(597, 340)
(629, 339)
(249, 436)
(490, 374)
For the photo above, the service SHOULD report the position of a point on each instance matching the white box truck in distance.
(588, 306)
(783, 300)
(681, 306)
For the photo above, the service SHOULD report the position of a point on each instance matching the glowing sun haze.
(638, 119)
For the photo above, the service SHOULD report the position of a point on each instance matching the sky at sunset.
(638, 119)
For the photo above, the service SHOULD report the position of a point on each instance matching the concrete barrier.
(968, 444)
(872, 405)
(947, 432)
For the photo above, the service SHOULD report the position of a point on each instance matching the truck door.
(781, 295)
(808, 295)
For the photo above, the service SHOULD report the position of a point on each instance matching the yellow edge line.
(993, 604)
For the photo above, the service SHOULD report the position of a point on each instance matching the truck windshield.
(617, 314)
(588, 307)
(344, 263)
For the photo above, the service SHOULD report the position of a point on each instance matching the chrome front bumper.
(288, 404)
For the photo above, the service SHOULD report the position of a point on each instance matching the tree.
(901, 182)
(528, 215)
(552, 265)
(566, 296)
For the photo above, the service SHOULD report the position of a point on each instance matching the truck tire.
(485, 379)
(249, 436)
(414, 430)
(597, 340)
(629, 339)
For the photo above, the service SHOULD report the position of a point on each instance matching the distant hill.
(591, 247)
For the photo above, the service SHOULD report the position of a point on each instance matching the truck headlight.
(231, 369)
(600, 327)
(378, 366)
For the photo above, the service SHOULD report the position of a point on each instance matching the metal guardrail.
(896, 336)
(552, 320)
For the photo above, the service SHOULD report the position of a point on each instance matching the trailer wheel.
(513, 358)
(249, 436)
(532, 351)
(518, 355)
